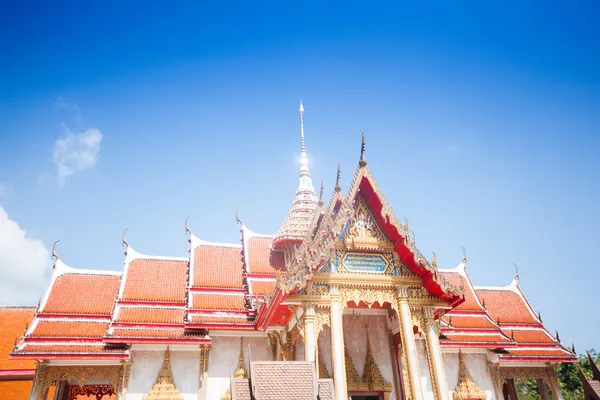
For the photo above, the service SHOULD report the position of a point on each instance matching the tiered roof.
(98, 314)
(499, 319)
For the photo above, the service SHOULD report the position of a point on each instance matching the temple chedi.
(339, 303)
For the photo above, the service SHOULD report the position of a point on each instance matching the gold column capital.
(428, 314)
(402, 294)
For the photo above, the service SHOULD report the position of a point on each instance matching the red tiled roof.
(529, 336)
(545, 352)
(156, 280)
(214, 301)
(262, 287)
(216, 319)
(12, 325)
(507, 305)
(83, 294)
(469, 321)
(173, 333)
(216, 266)
(67, 348)
(69, 328)
(153, 315)
(260, 257)
(470, 303)
(17, 390)
(478, 338)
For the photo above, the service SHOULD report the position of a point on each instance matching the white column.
(309, 333)
(337, 345)
(555, 387)
(436, 355)
(408, 339)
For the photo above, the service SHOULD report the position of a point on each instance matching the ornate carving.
(204, 358)
(323, 373)
(362, 231)
(354, 381)
(80, 374)
(372, 378)
(164, 388)
(240, 369)
(97, 390)
(466, 388)
(369, 296)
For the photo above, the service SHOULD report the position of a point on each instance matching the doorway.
(365, 397)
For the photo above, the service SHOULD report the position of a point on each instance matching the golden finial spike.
(516, 277)
(362, 162)
(321, 193)
(464, 257)
(54, 255)
(434, 260)
(338, 188)
(240, 371)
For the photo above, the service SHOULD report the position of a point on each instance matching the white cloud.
(23, 264)
(75, 152)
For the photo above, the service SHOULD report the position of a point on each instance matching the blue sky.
(482, 125)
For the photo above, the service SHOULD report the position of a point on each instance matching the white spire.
(305, 183)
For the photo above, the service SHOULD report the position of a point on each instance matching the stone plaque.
(361, 262)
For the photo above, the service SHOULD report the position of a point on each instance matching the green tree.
(569, 378)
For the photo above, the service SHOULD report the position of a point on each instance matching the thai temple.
(337, 304)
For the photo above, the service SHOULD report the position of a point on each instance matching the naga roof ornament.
(300, 216)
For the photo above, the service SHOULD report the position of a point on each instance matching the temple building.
(338, 304)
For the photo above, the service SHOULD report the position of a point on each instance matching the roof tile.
(260, 257)
(216, 266)
(152, 315)
(214, 301)
(83, 294)
(156, 280)
(69, 328)
(12, 325)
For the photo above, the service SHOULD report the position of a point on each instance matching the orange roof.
(470, 303)
(261, 259)
(68, 348)
(78, 293)
(17, 390)
(214, 301)
(217, 319)
(529, 335)
(544, 352)
(152, 315)
(171, 333)
(12, 325)
(262, 287)
(156, 280)
(469, 321)
(218, 266)
(69, 328)
(478, 338)
(508, 305)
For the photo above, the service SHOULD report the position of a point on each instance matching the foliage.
(569, 378)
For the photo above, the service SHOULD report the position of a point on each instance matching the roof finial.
(302, 147)
(305, 183)
(124, 241)
(54, 255)
(187, 228)
(464, 257)
(516, 277)
(573, 348)
(434, 260)
(483, 303)
(321, 193)
(237, 217)
(338, 188)
(362, 162)
(540, 316)
(557, 336)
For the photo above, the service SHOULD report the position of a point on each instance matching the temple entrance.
(361, 396)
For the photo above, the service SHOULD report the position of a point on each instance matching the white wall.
(147, 363)
(476, 364)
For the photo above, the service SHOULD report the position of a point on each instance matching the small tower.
(297, 224)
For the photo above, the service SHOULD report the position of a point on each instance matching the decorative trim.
(466, 388)
(164, 388)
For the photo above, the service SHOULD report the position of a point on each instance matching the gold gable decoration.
(362, 231)
(240, 371)
(353, 380)
(164, 388)
(466, 388)
(323, 373)
(372, 378)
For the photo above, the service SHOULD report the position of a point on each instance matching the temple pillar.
(395, 366)
(410, 348)
(554, 387)
(310, 317)
(433, 347)
(39, 387)
(543, 389)
(125, 370)
(337, 344)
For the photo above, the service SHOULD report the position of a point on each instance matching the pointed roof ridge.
(512, 286)
(249, 234)
(132, 255)
(61, 268)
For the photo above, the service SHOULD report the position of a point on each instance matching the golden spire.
(338, 188)
(240, 370)
(362, 162)
(372, 377)
(466, 388)
(164, 387)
